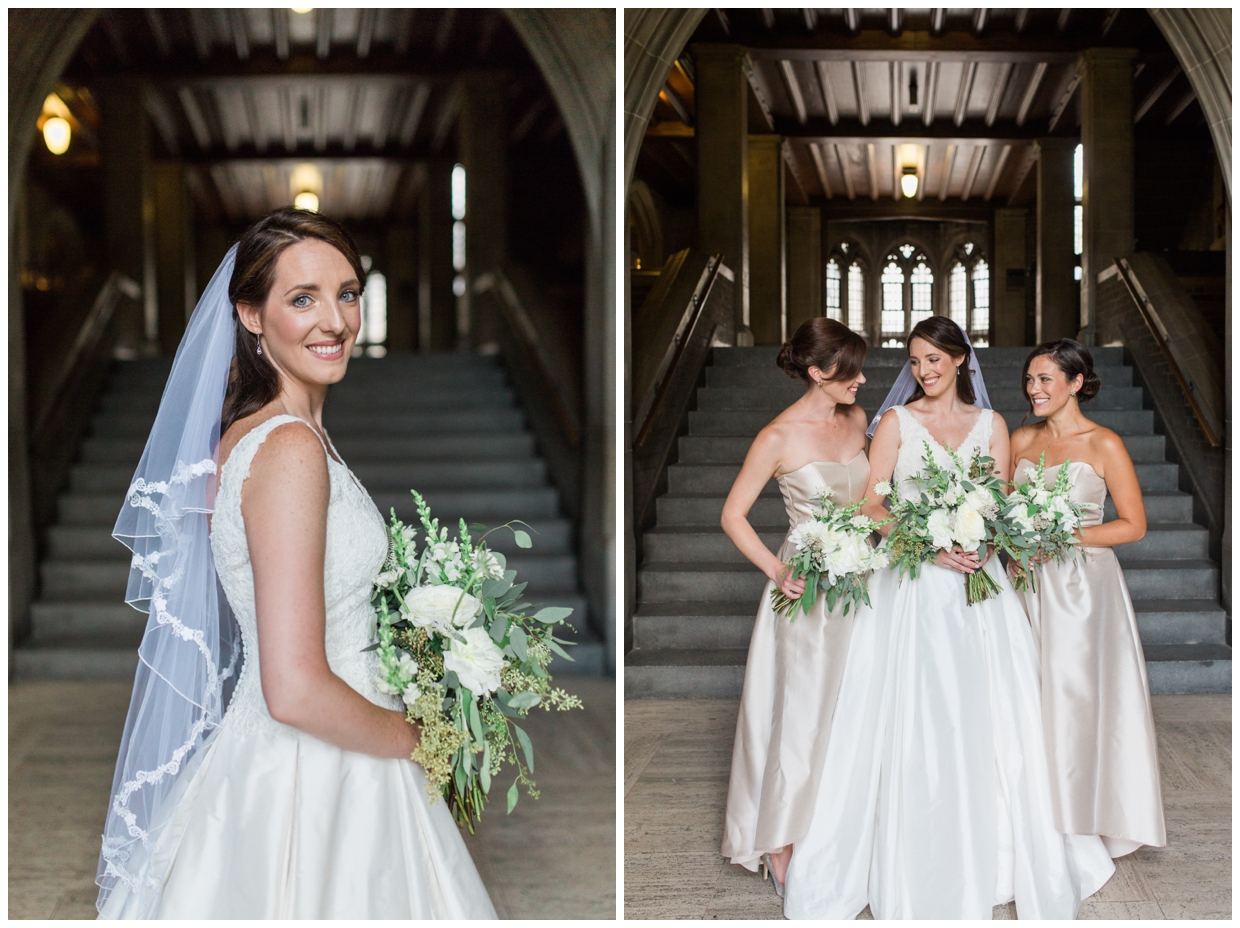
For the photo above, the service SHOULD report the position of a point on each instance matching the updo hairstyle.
(254, 382)
(945, 335)
(830, 346)
(1071, 357)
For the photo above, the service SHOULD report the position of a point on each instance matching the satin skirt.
(792, 676)
(278, 824)
(1096, 711)
(935, 799)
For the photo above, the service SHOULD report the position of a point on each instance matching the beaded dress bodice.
(354, 554)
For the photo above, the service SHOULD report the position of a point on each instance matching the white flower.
(410, 694)
(439, 608)
(940, 529)
(827, 493)
(388, 578)
(970, 528)
(488, 564)
(953, 495)
(383, 686)
(860, 522)
(1040, 495)
(978, 498)
(407, 667)
(476, 660)
(407, 533)
(883, 488)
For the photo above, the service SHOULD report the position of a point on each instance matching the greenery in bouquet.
(957, 504)
(1044, 522)
(833, 555)
(467, 658)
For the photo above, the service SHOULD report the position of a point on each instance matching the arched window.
(908, 293)
(374, 315)
(979, 325)
(856, 298)
(835, 306)
(893, 306)
(958, 295)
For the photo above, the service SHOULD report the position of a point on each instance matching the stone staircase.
(448, 425)
(697, 595)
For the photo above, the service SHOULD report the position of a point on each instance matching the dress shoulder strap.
(984, 429)
(243, 453)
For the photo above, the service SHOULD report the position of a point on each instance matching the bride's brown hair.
(253, 382)
(945, 335)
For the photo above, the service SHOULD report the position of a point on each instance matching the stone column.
(128, 204)
(436, 302)
(806, 269)
(1008, 270)
(483, 148)
(767, 310)
(1058, 315)
(1106, 136)
(722, 134)
(176, 287)
(401, 249)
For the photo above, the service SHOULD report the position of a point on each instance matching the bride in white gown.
(935, 798)
(300, 800)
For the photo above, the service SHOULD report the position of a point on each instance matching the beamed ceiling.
(243, 96)
(959, 93)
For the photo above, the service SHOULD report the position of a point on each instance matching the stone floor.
(554, 858)
(677, 754)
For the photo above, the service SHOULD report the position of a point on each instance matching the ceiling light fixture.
(307, 200)
(302, 9)
(908, 182)
(56, 134)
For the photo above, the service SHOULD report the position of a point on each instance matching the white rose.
(410, 694)
(476, 660)
(1041, 495)
(979, 498)
(940, 528)
(439, 608)
(970, 528)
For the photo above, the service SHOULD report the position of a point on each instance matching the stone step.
(717, 479)
(75, 580)
(450, 446)
(748, 423)
(361, 425)
(885, 376)
(673, 510)
(376, 477)
(488, 506)
(699, 449)
(730, 625)
(95, 542)
(870, 397)
(720, 672)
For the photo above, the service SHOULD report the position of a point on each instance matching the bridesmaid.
(793, 672)
(1095, 696)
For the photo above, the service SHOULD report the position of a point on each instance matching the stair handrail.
(495, 281)
(684, 333)
(84, 345)
(1149, 314)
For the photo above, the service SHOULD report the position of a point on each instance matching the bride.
(936, 797)
(299, 800)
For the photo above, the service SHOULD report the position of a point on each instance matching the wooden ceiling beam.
(1031, 92)
(794, 92)
(970, 177)
(845, 172)
(241, 38)
(896, 78)
(820, 168)
(1156, 94)
(822, 129)
(863, 106)
(1064, 99)
(159, 32)
(279, 32)
(1185, 102)
(932, 91)
(871, 164)
(365, 31)
(966, 87)
(949, 161)
(828, 92)
(996, 95)
(997, 172)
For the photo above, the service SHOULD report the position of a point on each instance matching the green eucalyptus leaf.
(512, 797)
(518, 642)
(499, 628)
(526, 747)
(525, 700)
(558, 650)
(522, 538)
(553, 614)
(484, 772)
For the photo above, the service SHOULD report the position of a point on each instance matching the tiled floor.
(676, 759)
(554, 858)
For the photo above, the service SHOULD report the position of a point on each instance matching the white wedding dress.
(270, 822)
(935, 797)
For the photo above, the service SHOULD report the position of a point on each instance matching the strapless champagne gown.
(1100, 739)
(792, 678)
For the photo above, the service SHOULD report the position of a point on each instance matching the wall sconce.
(307, 200)
(908, 182)
(54, 123)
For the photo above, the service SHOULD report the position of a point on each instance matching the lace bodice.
(913, 439)
(354, 555)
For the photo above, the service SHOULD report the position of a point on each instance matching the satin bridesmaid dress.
(1100, 738)
(792, 679)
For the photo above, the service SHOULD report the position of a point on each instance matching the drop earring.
(258, 340)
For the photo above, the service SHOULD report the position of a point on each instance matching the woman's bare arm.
(1125, 489)
(761, 464)
(284, 504)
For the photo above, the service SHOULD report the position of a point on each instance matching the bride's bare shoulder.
(243, 427)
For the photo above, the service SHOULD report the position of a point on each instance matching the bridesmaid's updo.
(945, 335)
(830, 346)
(1071, 357)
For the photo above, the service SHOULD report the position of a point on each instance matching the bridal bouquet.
(958, 504)
(1044, 522)
(833, 555)
(466, 658)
